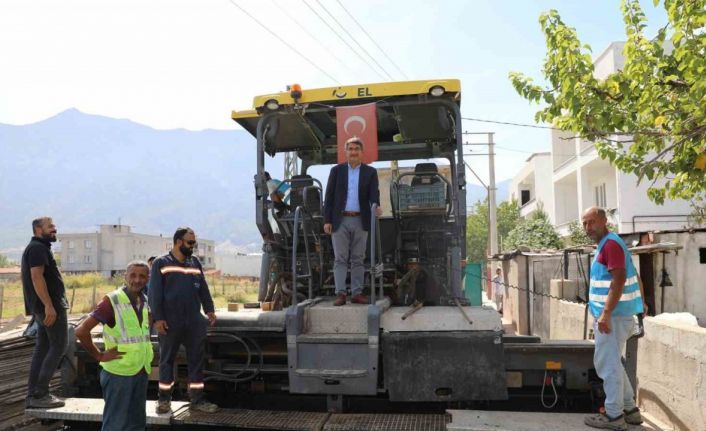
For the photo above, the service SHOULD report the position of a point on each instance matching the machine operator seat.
(313, 200)
(422, 168)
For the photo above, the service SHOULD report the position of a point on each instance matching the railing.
(299, 215)
(375, 245)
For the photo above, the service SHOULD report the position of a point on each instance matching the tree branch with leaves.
(657, 100)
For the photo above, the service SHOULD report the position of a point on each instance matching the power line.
(372, 40)
(354, 40)
(508, 123)
(308, 33)
(288, 45)
(341, 38)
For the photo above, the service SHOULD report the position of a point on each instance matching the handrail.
(375, 244)
(295, 243)
(321, 213)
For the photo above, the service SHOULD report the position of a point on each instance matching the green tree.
(649, 118)
(5, 262)
(508, 215)
(577, 236)
(534, 232)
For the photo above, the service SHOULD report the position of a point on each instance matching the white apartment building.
(572, 178)
(110, 249)
(532, 187)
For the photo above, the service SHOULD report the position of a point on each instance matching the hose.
(556, 396)
(235, 377)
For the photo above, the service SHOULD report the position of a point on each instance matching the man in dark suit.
(351, 189)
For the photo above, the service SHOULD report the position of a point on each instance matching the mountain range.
(85, 170)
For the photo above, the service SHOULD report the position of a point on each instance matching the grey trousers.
(349, 242)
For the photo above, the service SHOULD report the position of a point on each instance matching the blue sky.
(187, 63)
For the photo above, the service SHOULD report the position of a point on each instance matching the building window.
(209, 260)
(72, 258)
(72, 244)
(600, 196)
(88, 243)
(524, 197)
(702, 255)
(86, 259)
(210, 248)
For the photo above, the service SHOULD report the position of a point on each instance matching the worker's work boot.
(199, 402)
(164, 402)
(340, 299)
(48, 401)
(633, 416)
(360, 299)
(603, 421)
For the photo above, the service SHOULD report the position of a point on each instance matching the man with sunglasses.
(177, 291)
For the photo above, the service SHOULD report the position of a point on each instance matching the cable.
(556, 395)
(307, 32)
(508, 123)
(371, 39)
(288, 45)
(354, 40)
(235, 377)
(341, 38)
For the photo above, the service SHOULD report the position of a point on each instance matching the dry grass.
(82, 298)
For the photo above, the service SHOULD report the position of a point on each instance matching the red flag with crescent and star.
(360, 121)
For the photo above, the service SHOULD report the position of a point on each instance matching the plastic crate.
(422, 197)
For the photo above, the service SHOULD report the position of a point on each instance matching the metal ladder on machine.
(333, 351)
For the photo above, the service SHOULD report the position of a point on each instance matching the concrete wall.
(566, 319)
(671, 373)
(515, 307)
(633, 201)
(687, 274)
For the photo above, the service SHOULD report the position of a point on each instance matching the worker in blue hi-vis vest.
(615, 297)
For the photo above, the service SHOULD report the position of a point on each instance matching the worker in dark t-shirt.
(45, 300)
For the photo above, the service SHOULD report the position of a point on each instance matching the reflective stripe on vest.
(630, 302)
(129, 336)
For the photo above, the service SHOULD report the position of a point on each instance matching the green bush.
(536, 232)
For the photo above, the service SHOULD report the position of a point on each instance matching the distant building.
(572, 177)
(241, 264)
(111, 248)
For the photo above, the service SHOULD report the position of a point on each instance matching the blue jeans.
(125, 399)
(349, 242)
(609, 349)
(49, 348)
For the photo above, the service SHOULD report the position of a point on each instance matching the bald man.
(614, 298)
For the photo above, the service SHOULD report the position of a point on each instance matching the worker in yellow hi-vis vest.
(127, 357)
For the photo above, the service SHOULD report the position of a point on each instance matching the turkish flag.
(360, 121)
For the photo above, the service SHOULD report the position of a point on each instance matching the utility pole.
(492, 216)
(492, 207)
